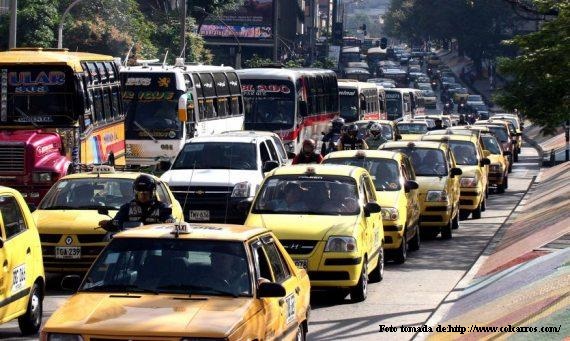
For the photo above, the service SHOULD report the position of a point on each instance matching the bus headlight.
(41, 177)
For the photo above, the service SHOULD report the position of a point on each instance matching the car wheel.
(301, 336)
(31, 321)
(464, 214)
(402, 253)
(416, 241)
(506, 182)
(360, 291)
(516, 157)
(455, 222)
(378, 274)
(501, 187)
(510, 167)
(478, 210)
(446, 231)
(484, 205)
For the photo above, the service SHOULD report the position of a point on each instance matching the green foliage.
(257, 62)
(541, 73)
(37, 24)
(324, 63)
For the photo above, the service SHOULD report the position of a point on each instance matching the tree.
(541, 73)
(37, 24)
(256, 62)
(324, 63)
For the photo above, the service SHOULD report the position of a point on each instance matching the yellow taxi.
(328, 218)
(187, 282)
(389, 129)
(437, 175)
(514, 131)
(499, 167)
(474, 184)
(412, 131)
(67, 217)
(396, 190)
(22, 283)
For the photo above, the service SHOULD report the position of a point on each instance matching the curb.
(445, 305)
(536, 146)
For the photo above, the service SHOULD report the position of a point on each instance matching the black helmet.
(337, 123)
(144, 183)
(352, 129)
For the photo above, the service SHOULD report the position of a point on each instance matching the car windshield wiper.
(120, 288)
(59, 207)
(189, 288)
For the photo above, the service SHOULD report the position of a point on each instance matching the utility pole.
(276, 30)
(13, 23)
(60, 27)
(183, 28)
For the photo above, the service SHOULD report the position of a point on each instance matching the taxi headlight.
(341, 244)
(437, 196)
(42, 177)
(64, 337)
(469, 182)
(390, 213)
(495, 168)
(241, 190)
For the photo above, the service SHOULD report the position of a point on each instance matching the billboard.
(253, 20)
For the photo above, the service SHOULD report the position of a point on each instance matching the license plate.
(301, 263)
(201, 215)
(67, 252)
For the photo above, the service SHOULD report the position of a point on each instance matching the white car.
(215, 178)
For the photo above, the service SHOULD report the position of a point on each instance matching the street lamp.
(60, 28)
(202, 11)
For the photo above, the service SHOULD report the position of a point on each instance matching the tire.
(506, 182)
(516, 157)
(301, 335)
(378, 274)
(464, 214)
(455, 222)
(477, 212)
(31, 321)
(501, 187)
(484, 205)
(360, 291)
(510, 166)
(402, 253)
(415, 242)
(447, 231)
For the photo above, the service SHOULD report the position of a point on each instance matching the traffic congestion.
(186, 202)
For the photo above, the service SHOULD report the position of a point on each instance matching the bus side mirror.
(183, 108)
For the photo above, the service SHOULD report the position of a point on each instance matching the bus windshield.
(393, 105)
(152, 114)
(348, 104)
(269, 104)
(35, 95)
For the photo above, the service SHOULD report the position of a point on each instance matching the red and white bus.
(297, 104)
(360, 101)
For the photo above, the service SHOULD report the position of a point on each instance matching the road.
(409, 293)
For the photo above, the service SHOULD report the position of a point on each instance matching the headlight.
(468, 182)
(390, 213)
(341, 244)
(241, 190)
(64, 337)
(495, 168)
(436, 196)
(42, 177)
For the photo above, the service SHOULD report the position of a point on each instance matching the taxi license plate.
(301, 263)
(201, 215)
(67, 252)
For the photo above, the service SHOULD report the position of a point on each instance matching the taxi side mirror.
(1, 243)
(103, 211)
(270, 165)
(270, 289)
(372, 207)
(485, 162)
(456, 171)
(71, 283)
(244, 205)
(410, 185)
(398, 137)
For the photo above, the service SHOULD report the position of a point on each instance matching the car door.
(453, 187)
(374, 229)
(271, 311)
(288, 305)
(411, 200)
(18, 263)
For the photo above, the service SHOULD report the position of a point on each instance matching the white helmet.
(375, 127)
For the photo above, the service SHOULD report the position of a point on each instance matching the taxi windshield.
(384, 172)
(412, 128)
(426, 161)
(85, 194)
(464, 152)
(168, 265)
(308, 194)
(500, 133)
(490, 143)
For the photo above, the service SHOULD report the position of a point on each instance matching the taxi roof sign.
(103, 169)
(180, 228)
(360, 154)
(310, 170)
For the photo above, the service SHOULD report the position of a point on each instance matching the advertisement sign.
(254, 20)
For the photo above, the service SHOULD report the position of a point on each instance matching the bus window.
(222, 107)
(235, 106)
(107, 113)
(102, 72)
(115, 102)
(110, 71)
(93, 74)
(98, 105)
(209, 109)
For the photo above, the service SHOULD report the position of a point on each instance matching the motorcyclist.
(307, 154)
(438, 124)
(145, 208)
(462, 121)
(375, 139)
(330, 138)
(350, 140)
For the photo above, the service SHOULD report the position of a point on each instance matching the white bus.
(359, 101)
(296, 104)
(166, 105)
(398, 103)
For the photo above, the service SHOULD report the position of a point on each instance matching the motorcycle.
(330, 142)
